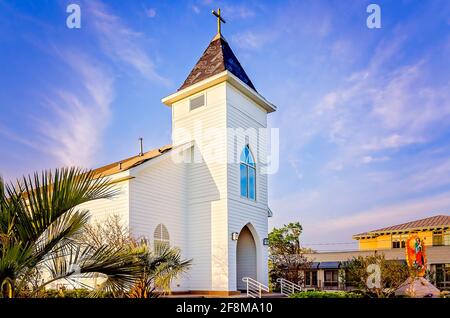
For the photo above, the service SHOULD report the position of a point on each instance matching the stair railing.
(254, 288)
(287, 287)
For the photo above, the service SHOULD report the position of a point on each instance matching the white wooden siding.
(207, 187)
(100, 210)
(158, 195)
(244, 114)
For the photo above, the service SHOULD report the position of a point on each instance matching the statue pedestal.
(418, 287)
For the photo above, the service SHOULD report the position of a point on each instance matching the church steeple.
(218, 57)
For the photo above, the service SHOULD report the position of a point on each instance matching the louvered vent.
(161, 236)
(197, 102)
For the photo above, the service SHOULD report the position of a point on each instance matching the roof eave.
(224, 76)
(115, 177)
(251, 93)
(374, 234)
(168, 154)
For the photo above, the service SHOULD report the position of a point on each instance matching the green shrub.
(71, 293)
(322, 294)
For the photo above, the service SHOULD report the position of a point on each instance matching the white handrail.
(254, 288)
(287, 287)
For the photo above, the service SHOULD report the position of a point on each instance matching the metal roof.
(431, 222)
(131, 162)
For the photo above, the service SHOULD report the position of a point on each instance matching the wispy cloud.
(122, 43)
(393, 141)
(360, 123)
(195, 8)
(73, 131)
(425, 174)
(252, 39)
(69, 123)
(295, 164)
(370, 159)
(230, 11)
(393, 214)
(378, 109)
(239, 11)
(11, 135)
(69, 117)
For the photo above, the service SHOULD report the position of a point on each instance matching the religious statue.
(415, 254)
(417, 285)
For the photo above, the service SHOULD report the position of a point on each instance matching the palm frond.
(167, 265)
(39, 221)
(119, 267)
(47, 196)
(8, 206)
(13, 259)
(61, 232)
(162, 266)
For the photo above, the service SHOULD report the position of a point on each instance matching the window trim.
(247, 167)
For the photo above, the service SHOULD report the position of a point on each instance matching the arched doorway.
(245, 257)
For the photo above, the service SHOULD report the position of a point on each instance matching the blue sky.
(363, 113)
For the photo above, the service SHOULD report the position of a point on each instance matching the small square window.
(197, 102)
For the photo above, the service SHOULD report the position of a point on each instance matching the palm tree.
(40, 219)
(161, 267)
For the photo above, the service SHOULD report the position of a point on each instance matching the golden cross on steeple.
(219, 19)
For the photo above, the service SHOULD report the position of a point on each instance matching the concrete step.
(273, 295)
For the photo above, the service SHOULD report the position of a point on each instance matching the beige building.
(391, 241)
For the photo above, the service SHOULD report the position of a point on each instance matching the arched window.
(161, 236)
(248, 174)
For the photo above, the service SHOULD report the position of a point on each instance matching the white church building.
(206, 192)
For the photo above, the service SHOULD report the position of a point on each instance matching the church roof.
(130, 162)
(436, 221)
(218, 57)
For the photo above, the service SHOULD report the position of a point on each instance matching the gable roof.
(131, 162)
(431, 222)
(218, 57)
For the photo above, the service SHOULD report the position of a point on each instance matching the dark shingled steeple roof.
(217, 58)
